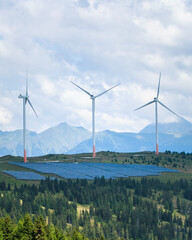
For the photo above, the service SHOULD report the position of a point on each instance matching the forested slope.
(154, 208)
(28, 229)
(121, 208)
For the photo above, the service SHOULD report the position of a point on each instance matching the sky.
(96, 44)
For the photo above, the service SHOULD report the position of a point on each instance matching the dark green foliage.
(131, 208)
(26, 229)
(6, 227)
(118, 208)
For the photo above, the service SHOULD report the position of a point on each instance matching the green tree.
(6, 227)
(1, 235)
(39, 231)
(78, 236)
(24, 229)
(50, 231)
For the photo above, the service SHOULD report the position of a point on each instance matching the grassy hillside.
(178, 161)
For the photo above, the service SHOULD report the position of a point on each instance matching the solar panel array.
(92, 170)
(22, 175)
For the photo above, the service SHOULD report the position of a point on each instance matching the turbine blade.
(167, 108)
(32, 106)
(107, 90)
(144, 105)
(82, 89)
(158, 85)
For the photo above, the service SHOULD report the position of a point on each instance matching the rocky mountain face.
(58, 139)
(64, 138)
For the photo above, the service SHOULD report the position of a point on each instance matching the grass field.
(81, 208)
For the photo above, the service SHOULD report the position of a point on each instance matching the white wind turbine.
(93, 110)
(156, 100)
(25, 100)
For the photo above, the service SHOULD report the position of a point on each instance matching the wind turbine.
(92, 97)
(25, 100)
(156, 100)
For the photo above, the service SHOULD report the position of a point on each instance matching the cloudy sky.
(96, 44)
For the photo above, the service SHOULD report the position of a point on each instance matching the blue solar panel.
(92, 170)
(24, 175)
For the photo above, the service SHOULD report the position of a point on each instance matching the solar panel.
(92, 170)
(25, 175)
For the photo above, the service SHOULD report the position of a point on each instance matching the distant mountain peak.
(58, 139)
(180, 127)
(64, 138)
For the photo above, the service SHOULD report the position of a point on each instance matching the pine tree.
(6, 227)
(24, 228)
(39, 231)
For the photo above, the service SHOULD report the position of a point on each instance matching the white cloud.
(46, 85)
(96, 44)
(3, 49)
(5, 116)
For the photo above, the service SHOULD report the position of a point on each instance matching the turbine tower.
(156, 100)
(25, 100)
(92, 97)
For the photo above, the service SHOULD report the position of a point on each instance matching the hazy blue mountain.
(61, 138)
(175, 136)
(131, 142)
(117, 142)
(108, 141)
(64, 138)
(182, 126)
(12, 142)
(58, 139)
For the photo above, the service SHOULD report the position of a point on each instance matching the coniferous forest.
(125, 208)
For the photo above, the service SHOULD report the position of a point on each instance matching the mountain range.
(64, 138)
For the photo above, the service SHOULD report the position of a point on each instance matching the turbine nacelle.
(21, 96)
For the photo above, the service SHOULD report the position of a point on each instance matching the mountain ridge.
(181, 126)
(64, 138)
